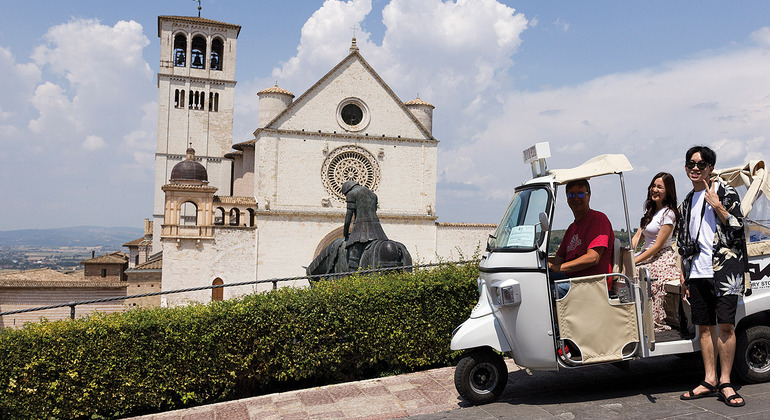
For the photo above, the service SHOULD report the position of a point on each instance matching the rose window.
(350, 163)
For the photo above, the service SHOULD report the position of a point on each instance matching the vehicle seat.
(600, 328)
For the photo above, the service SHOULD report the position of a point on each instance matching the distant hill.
(79, 236)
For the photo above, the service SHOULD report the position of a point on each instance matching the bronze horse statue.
(377, 254)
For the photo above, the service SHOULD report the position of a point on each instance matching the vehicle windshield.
(520, 228)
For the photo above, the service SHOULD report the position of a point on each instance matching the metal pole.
(72, 311)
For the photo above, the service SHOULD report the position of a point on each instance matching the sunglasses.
(701, 165)
(578, 195)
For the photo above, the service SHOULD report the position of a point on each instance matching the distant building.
(142, 279)
(267, 208)
(140, 250)
(109, 267)
(44, 287)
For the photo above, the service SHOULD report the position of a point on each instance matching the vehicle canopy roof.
(752, 175)
(597, 166)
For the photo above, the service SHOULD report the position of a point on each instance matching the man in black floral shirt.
(713, 247)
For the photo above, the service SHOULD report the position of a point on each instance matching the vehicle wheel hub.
(483, 378)
(757, 356)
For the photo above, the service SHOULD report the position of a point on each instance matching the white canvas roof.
(597, 166)
(752, 175)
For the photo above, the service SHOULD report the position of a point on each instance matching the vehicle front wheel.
(752, 354)
(481, 376)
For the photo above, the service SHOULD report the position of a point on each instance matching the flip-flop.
(712, 390)
(730, 401)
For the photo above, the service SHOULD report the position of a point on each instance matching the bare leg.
(726, 348)
(708, 352)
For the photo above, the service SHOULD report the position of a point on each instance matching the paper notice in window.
(522, 236)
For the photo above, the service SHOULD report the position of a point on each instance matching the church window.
(251, 217)
(217, 47)
(217, 294)
(352, 114)
(189, 214)
(180, 49)
(198, 54)
(192, 98)
(349, 163)
(181, 99)
(235, 217)
(219, 216)
(216, 102)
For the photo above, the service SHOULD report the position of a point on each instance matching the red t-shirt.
(592, 231)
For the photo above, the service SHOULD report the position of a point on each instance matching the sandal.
(730, 401)
(712, 390)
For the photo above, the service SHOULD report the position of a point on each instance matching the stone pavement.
(646, 389)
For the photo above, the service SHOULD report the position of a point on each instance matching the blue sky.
(78, 109)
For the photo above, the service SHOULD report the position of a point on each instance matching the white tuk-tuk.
(520, 315)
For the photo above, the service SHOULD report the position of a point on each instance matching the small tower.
(423, 111)
(196, 82)
(189, 202)
(272, 101)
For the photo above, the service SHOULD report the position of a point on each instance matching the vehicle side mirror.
(544, 221)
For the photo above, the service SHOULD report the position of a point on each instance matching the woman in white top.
(656, 230)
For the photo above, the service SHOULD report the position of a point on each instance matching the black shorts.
(706, 307)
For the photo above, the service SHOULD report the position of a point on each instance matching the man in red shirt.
(587, 245)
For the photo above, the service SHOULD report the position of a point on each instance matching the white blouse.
(664, 216)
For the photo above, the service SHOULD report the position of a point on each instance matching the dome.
(275, 89)
(419, 101)
(189, 169)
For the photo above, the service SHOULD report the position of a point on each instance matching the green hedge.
(146, 361)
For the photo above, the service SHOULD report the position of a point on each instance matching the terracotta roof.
(45, 277)
(194, 19)
(113, 258)
(154, 263)
(138, 242)
(241, 146)
(419, 101)
(235, 154)
(276, 89)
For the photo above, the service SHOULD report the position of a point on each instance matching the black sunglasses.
(701, 165)
(579, 195)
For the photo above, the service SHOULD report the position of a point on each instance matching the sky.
(78, 95)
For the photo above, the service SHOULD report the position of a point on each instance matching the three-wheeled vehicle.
(520, 315)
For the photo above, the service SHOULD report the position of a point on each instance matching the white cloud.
(651, 115)
(93, 143)
(762, 36)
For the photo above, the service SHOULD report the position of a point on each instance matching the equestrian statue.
(365, 246)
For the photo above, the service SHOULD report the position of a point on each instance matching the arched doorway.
(217, 294)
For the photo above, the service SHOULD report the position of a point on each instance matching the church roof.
(242, 145)
(354, 55)
(276, 89)
(193, 19)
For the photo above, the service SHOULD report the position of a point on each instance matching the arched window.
(217, 47)
(198, 54)
(251, 217)
(189, 214)
(219, 216)
(181, 99)
(192, 98)
(216, 102)
(180, 50)
(217, 294)
(235, 217)
(211, 100)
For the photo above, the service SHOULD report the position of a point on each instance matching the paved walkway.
(391, 397)
(647, 389)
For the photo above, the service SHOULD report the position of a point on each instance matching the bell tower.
(196, 83)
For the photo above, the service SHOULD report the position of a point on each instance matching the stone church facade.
(230, 212)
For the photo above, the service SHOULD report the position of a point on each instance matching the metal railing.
(274, 281)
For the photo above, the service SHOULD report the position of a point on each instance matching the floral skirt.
(663, 267)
